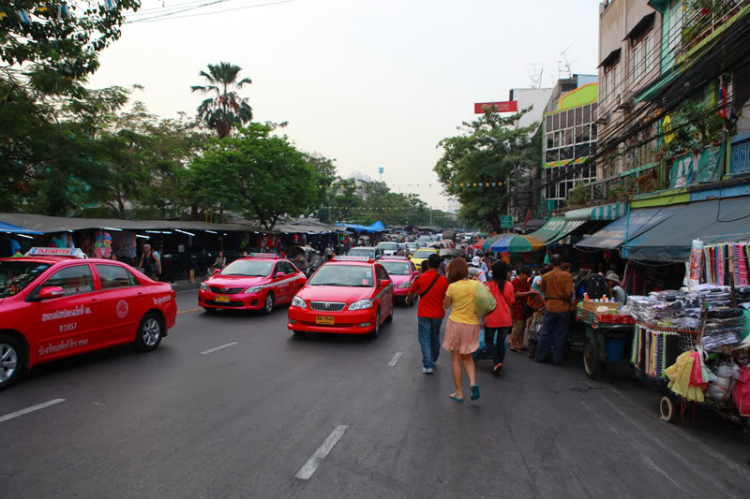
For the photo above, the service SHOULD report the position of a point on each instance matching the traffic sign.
(506, 222)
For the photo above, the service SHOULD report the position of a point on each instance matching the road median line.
(28, 410)
(312, 464)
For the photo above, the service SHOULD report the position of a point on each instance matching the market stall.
(693, 345)
(604, 332)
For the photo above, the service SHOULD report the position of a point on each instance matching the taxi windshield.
(423, 254)
(343, 275)
(16, 276)
(388, 246)
(249, 268)
(360, 252)
(397, 268)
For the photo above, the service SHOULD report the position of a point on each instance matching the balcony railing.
(703, 17)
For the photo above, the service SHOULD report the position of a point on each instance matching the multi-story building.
(569, 137)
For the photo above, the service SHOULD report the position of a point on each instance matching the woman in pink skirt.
(462, 330)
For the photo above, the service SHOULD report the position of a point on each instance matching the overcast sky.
(369, 83)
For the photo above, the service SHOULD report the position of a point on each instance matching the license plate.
(326, 320)
(222, 299)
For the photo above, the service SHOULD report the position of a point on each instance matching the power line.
(167, 16)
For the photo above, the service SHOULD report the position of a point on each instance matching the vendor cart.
(605, 339)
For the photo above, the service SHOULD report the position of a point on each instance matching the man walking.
(557, 286)
(431, 288)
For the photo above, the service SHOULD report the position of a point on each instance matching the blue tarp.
(376, 227)
(17, 230)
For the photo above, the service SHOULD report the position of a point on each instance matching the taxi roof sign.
(395, 257)
(365, 259)
(271, 256)
(69, 252)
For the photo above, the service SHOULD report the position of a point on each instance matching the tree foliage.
(489, 150)
(225, 110)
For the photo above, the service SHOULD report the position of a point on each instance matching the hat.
(611, 276)
(476, 261)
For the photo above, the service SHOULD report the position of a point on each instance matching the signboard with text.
(510, 106)
(506, 222)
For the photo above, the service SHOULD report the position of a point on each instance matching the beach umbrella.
(516, 244)
(491, 240)
(478, 244)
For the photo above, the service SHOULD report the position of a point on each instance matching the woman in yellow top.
(462, 330)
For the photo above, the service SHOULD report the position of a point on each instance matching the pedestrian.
(150, 264)
(328, 252)
(615, 290)
(522, 290)
(424, 266)
(476, 263)
(192, 262)
(462, 330)
(221, 261)
(485, 267)
(498, 323)
(557, 287)
(431, 288)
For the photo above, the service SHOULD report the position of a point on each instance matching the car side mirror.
(216, 271)
(51, 292)
(415, 273)
(384, 283)
(278, 275)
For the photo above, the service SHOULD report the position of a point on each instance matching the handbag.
(484, 302)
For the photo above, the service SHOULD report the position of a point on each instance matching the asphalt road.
(247, 419)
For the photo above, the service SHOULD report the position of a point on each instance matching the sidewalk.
(186, 285)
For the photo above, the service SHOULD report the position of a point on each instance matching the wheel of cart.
(606, 339)
(667, 409)
(592, 363)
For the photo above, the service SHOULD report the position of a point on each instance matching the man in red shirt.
(431, 288)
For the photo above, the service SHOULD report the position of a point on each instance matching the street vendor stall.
(693, 345)
(604, 331)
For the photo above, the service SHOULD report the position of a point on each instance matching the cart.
(605, 339)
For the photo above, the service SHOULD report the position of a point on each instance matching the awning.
(605, 212)
(641, 26)
(376, 227)
(47, 225)
(567, 228)
(671, 241)
(14, 229)
(549, 230)
(610, 58)
(627, 228)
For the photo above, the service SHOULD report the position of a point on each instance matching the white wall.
(527, 97)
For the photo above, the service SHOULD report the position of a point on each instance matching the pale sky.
(368, 82)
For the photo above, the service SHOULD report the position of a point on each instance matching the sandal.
(454, 398)
(497, 370)
(474, 392)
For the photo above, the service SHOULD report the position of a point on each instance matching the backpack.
(595, 286)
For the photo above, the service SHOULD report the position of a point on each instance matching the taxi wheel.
(11, 360)
(150, 332)
(376, 332)
(269, 303)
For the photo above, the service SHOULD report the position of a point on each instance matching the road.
(245, 420)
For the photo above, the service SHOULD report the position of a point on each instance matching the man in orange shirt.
(557, 287)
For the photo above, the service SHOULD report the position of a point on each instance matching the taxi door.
(385, 297)
(64, 325)
(285, 287)
(122, 304)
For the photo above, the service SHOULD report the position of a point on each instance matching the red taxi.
(402, 272)
(55, 303)
(257, 282)
(350, 294)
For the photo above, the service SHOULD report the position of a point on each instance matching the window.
(550, 141)
(586, 114)
(582, 150)
(551, 156)
(579, 115)
(556, 119)
(638, 64)
(616, 88)
(287, 268)
(566, 153)
(113, 276)
(381, 273)
(73, 280)
(648, 48)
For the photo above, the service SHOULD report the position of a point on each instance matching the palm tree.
(225, 108)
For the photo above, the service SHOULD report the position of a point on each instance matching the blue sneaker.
(427, 370)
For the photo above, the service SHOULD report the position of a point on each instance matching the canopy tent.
(548, 232)
(13, 229)
(46, 225)
(628, 227)
(376, 227)
(604, 212)
(516, 244)
(306, 226)
(478, 245)
(671, 241)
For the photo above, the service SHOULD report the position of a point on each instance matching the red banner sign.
(510, 106)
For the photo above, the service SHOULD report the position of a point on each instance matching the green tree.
(490, 150)
(257, 174)
(225, 109)
(54, 49)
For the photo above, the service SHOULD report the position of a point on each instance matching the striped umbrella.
(491, 240)
(516, 244)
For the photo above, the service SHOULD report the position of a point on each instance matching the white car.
(388, 248)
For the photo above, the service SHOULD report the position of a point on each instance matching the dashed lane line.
(218, 348)
(37, 407)
(395, 359)
(312, 464)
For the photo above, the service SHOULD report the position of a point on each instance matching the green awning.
(549, 230)
(567, 228)
(605, 212)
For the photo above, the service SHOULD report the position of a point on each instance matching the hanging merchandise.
(124, 244)
(102, 244)
(742, 393)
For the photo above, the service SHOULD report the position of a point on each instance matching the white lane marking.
(29, 409)
(395, 359)
(219, 348)
(312, 464)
